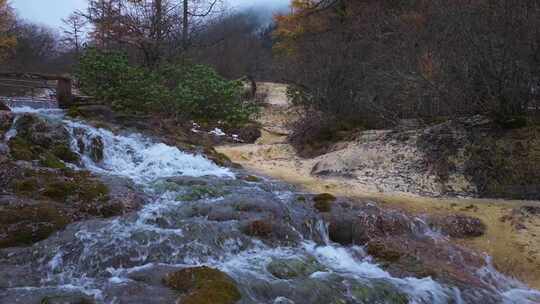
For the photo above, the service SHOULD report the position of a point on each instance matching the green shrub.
(109, 77)
(185, 90)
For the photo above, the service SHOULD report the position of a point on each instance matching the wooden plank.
(34, 76)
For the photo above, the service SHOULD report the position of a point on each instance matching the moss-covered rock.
(20, 149)
(63, 152)
(3, 107)
(50, 160)
(60, 190)
(378, 292)
(64, 186)
(198, 192)
(38, 139)
(323, 202)
(68, 299)
(383, 252)
(6, 120)
(259, 228)
(25, 186)
(203, 285)
(294, 267)
(459, 226)
(252, 179)
(25, 225)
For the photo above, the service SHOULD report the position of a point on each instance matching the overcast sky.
(51, 12)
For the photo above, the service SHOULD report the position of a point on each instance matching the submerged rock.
(203, 285)
(378, 292)
(293, 267)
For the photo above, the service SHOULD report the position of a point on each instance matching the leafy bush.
(199, 92)
(187, 91)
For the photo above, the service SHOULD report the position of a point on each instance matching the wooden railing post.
(63, 92)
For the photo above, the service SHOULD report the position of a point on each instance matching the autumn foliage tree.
(374, 62)
(7, 38)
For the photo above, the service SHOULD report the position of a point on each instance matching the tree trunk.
(185, 25)
(63, 92)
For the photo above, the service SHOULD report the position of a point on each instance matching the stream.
(196, 213)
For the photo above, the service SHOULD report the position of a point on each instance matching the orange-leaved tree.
(7, 39)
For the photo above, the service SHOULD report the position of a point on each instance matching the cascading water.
(192, 218)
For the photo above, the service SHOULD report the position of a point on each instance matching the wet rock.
(282, 300)
(20, 149)
(50, 160)
(39, 139)
(201, 285)
(45, 200)
(251, 179)
(325, 288)
(96, 149)
(323, 202)
(100, 112)
(294, 267)
(459, 226)
(532, 210)
(380, 250)
(378, 292)
(24, 225)
(69, 299)
(425, 257)
(358, 226)
(3, 107)
(198, 192)
(259, 228)
(6, 120)
(248, 133)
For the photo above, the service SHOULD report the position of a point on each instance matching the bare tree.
(74, 33)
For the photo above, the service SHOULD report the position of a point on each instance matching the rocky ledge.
(470, 157)
(42, 190)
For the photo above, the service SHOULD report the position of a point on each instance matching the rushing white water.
(139, 158)
(101, 257)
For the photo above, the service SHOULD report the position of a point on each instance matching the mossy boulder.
(39, 139)
(68, 299)
(26, 186)
(63, 152)
(198, 192)
(64, 186)
(293, 268)
(24, 225)
(20, 149)
(323, 202)
(6, 120)
(50, 160)
(3, 107)
(259, 228)
(251, 179)
(203, 285)
(383, 252)
(378, 292)
(459, 226)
